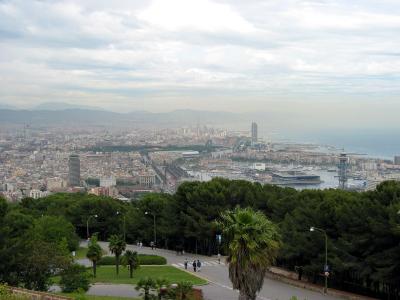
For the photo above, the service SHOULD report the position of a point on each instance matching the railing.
(34, 295)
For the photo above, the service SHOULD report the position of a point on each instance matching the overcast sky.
(234, 55)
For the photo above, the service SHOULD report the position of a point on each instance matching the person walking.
(219, 258)
(186, 263)
(152, 245)
(198, 265)
(194, 266)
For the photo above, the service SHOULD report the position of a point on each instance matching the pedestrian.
(198, 265)
(152, 245)
(194, 266)
(186, 263)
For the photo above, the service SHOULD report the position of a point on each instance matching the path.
(220, 287)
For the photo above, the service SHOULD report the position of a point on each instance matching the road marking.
(231, 289)
(203, 264)
(180, 265)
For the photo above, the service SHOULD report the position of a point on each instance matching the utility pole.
(326, 268)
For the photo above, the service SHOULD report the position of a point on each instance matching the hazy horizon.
(326, 63)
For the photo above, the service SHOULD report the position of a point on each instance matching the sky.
(323, 58)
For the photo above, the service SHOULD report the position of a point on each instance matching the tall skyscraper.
(74, 170)
(254, 133)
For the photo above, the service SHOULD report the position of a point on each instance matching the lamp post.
(154, 226)
(218, 237)
(87, 224)
(124, 224)
(312, 229)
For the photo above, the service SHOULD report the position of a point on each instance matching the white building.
(36, 194)
(56, 184)
(147, 178)
(259, 166)
(108, 181)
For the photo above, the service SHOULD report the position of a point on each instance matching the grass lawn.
(106, 274)
(81, 253)
(92, 297)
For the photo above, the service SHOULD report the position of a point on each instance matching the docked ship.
(295, 178)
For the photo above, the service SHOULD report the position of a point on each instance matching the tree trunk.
(94, 268)
(117, 263)
(131, 270)
(242, 296)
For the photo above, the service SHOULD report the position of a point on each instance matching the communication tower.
(343, 164)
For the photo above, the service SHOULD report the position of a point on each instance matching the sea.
(376, 143)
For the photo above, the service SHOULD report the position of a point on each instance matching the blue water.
(379, 143)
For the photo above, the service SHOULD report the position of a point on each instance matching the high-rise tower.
(254, 133)
(343, 161)
(74, 170)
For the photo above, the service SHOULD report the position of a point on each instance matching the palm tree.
(117, 245)
(252, 246)
(161, 284)
(94, 253)
(131, 259)
(146, 285)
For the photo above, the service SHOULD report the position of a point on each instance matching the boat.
(295, 178)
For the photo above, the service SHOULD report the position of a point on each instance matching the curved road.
(220, 287)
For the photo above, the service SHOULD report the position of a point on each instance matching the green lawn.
(81, 253)
(92, 297)
(106, 274)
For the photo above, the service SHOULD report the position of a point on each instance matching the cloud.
(162, 55)
(194, 15)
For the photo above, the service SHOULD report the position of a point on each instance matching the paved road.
(220, 287)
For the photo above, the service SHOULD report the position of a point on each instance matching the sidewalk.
(291, 278)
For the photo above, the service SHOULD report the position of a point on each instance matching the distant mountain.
(187, 116)
(6, 106)
(77, 117)
(62, 106)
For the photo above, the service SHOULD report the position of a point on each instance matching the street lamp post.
(87, 225)
(312, 229)
(154, 226)
(218, 237)
(124, 224)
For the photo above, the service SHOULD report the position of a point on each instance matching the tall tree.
(117, 245)
(253, 243)
(131, 259)
(94, 253)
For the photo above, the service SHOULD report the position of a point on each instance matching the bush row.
(144, 259)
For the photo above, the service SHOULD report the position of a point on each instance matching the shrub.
(107, 261)
(149, 259)
(6, 294)
(182, 291)
(144, 259)
(75, 278)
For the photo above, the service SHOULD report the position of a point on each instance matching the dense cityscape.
(36, 162)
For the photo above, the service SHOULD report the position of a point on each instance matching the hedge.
(144, 259)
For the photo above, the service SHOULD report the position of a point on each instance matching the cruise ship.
(295, 178)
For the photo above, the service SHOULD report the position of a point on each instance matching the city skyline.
(317, 59)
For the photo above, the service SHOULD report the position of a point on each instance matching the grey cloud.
(96, 50)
